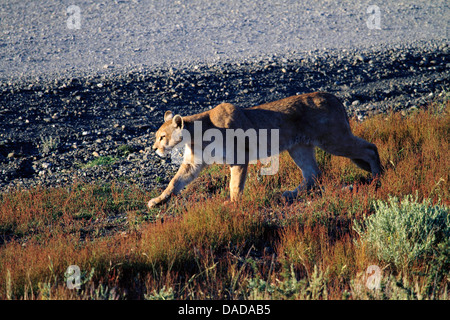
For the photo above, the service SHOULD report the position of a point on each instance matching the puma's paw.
(153, 203)
(229, 202)
(347, 187)
(288, 196)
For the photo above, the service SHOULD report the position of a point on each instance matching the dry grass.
(197, 247)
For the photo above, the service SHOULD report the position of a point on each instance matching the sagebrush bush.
(406, 231)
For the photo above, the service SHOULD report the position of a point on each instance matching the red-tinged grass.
(35, 210)
(155, 247)
(414, 151)
(197, 247)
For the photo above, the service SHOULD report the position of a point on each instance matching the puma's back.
(311, 118)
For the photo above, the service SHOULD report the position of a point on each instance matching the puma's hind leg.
(364, 154)
(304, 157)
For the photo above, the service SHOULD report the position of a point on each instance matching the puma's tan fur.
(304, 121)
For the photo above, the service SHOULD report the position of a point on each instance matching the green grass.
(121, 152)
(124, 150)
(101, 161)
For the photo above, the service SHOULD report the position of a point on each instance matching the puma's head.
(169, 134)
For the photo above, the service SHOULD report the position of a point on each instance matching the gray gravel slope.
(35, 39)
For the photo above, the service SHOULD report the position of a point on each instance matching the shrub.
(408, 231)
(49, 144)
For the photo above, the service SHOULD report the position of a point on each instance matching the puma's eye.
(162, 137)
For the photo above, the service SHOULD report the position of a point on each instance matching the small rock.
(46, 165)
(95, 154)
(361, 57)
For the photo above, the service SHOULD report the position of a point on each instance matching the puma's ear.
(178, 122)
(168, 116)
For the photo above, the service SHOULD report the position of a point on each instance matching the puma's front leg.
(186, 173)
(237, 180)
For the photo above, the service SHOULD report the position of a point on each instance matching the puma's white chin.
(161, 154)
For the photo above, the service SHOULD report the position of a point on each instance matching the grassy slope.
(198, 247)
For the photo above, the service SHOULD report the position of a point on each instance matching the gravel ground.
(38, 38)
(83, 104)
